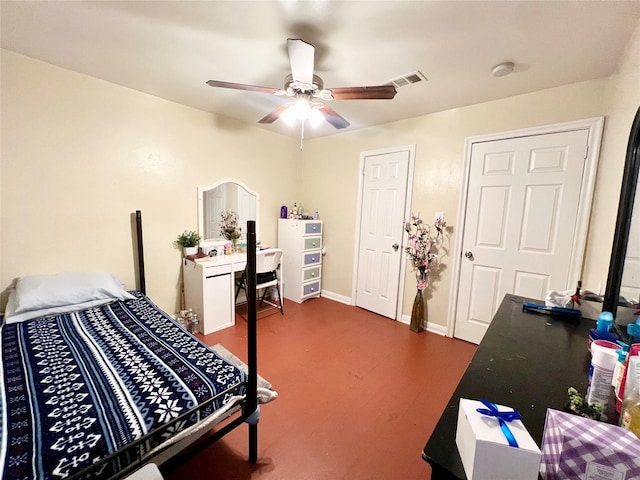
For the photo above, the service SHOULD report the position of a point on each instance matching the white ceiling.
(171, 48)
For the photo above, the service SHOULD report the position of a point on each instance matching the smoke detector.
(502, 69)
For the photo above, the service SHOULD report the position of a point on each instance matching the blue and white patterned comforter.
(78, 386)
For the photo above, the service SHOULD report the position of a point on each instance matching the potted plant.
(578, 405)
(189, 241)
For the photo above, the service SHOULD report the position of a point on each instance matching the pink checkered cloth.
(575, 447)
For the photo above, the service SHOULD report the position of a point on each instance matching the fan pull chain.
(301, 134)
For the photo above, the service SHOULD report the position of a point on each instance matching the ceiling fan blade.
(274, 115)
(301, 58)
(333, 117)
(241, 86)
(380, 92)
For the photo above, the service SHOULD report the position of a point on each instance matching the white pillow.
(39, 295)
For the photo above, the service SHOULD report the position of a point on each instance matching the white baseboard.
(336, 297)
(431, 327)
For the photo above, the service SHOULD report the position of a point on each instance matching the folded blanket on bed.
(81, 385)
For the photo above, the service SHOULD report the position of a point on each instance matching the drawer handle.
(312, 289)
(313, 259)
(313, 244)
(313, 274)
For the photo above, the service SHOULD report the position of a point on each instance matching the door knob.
(395, 247)
(469, 255)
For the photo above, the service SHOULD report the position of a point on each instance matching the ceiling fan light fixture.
(304, 86)
(302, 108)
(315, 117)
(289, 116)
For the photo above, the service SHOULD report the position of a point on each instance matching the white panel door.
(381, 230)
(522, 204)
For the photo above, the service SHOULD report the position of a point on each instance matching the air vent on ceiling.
(408, 79)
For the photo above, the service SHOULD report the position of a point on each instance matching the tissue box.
(486, 453)
(575, 447)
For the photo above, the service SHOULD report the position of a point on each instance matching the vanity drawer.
(310, 274)
(311, 288)
(312, 243)
(312, 227)
(215, 270)
(311, 258)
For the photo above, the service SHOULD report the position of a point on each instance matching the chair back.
(268, 260)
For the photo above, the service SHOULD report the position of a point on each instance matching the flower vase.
(417, 312)
(234, 243)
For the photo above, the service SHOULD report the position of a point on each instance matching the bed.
(98, 390)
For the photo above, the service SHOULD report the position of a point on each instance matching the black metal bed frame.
(123, 462)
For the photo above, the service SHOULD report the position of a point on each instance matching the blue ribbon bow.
(503, 418)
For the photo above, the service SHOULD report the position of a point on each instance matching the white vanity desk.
(209, 283)
(209, 289)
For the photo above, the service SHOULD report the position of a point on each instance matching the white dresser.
(209, 289)
(301, 244)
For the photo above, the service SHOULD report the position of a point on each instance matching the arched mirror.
(227, 194)
(624, 267)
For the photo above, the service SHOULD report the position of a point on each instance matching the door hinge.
(586, 152)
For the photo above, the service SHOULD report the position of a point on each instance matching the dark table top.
(526, 361)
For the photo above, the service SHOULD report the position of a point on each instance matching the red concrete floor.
(359, 395)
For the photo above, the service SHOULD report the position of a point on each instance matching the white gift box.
(485, 451)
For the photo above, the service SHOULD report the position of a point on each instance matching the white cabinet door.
(218, 306)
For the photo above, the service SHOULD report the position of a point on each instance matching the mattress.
(79, 386)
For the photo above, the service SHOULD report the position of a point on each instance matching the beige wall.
(333, 164)
(79, 155)
(439, 140)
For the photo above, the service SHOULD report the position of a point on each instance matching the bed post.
(252, 344)
(143, 286)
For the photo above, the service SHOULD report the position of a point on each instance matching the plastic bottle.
(284, 211)
(316, 215)
(620, 364)
(603, 362)
(195, 324)
(633, 329)
(630, 414)
(634, 351)
(603, 327)
(294, 211)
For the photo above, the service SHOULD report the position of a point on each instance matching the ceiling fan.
(306, 89)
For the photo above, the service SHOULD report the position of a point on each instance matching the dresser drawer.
(311, 258)
(312, 243)
(311, 288)
(312, 227)
(310, 274)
